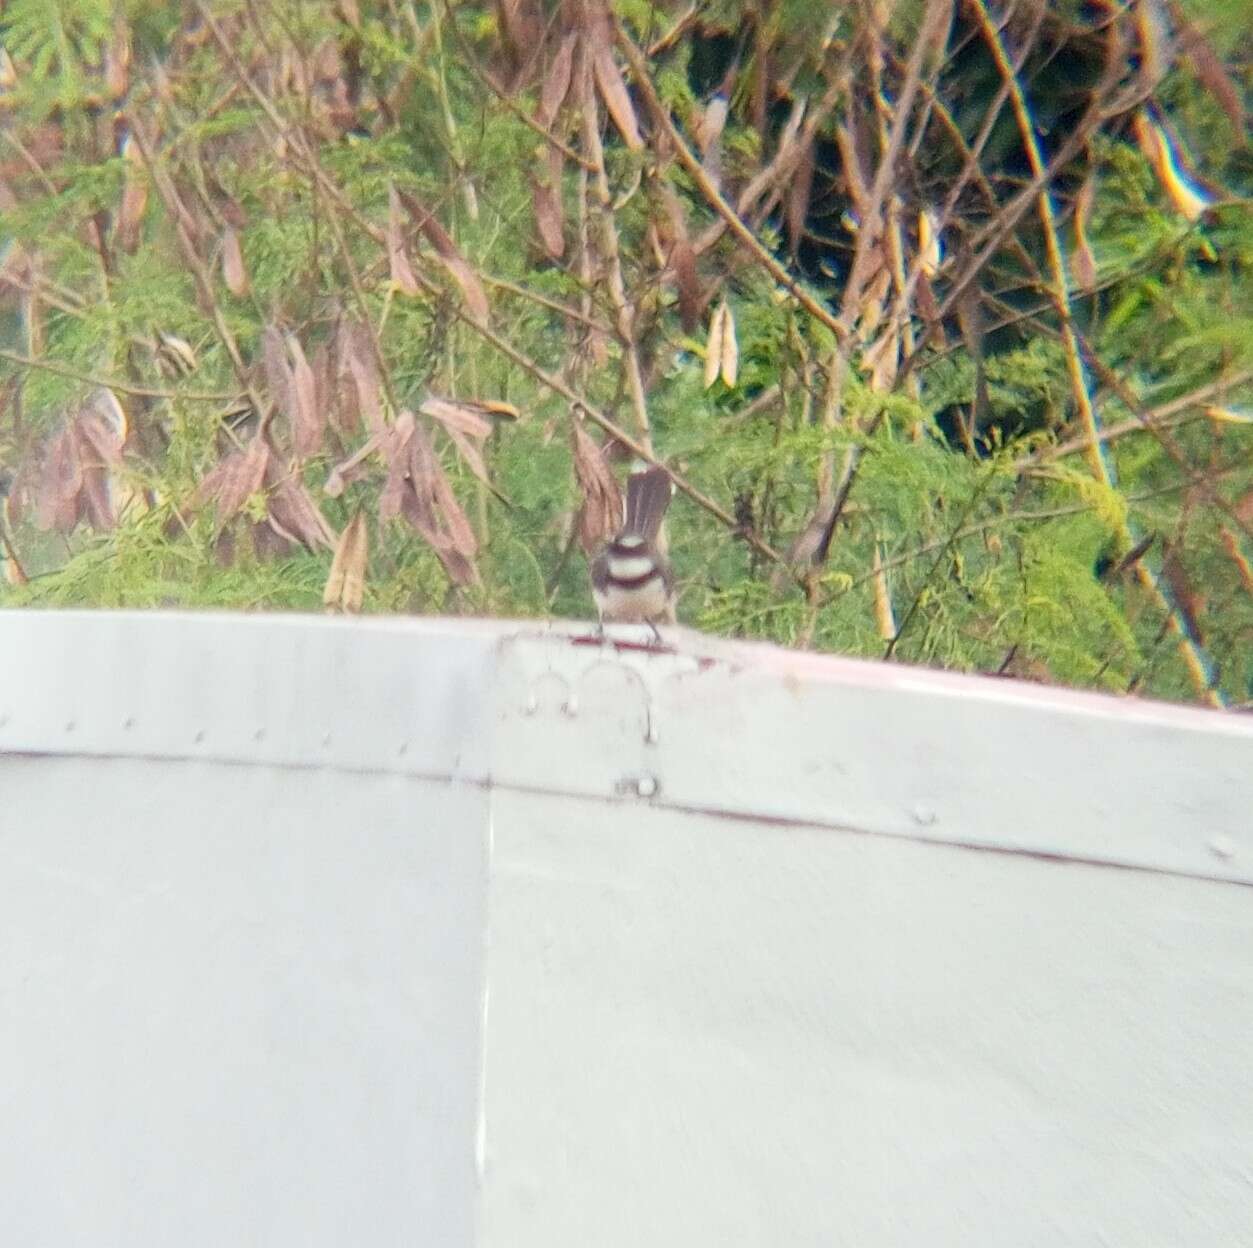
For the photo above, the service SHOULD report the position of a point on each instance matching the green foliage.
(1004, 559)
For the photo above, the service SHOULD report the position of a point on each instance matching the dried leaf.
(434, 511)
(417, 488)
(874, 301)
(884, 617)
(1082, 261)
(930, 249)
(455, 522)
(613, 91)
(233, 272)
(549, 212)
(709, 124)
(326, 389)
(117, 59)
(292, 512)
(269, 543)
(60, 482)
(471, 454)
(345, 586)
(1153, 27)
(729, 359)
(598, 346)
(398, 262)
(928, 304)
(548, 220)
(557, 83)
(468, 418)
(853, 166)
(131, 213)
(175, 355)
(462, 422)
(350, 469)
(357, 353)
(798, 197)
(713, 344)
(308, 419)
(600, 512)
(23, 490)
(1188, 600)
(882, 359)
(278, 373)
(682, 259)
(93, 234)
(234, 481)
(395, 447)
(458, 267)
(95, 501)
(74, 478)
(471, 288)
(108, 424)
(518, 25)
(99, 436)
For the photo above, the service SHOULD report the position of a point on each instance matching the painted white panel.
(754, 730)
(705, 1032)
(703, 725)
(238, 1005)
(403, 696)
(779, 948)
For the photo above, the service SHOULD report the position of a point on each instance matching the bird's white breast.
(641, 605)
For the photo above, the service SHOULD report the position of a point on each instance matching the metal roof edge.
(741, 729)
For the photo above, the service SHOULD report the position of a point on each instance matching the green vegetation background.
(987, 566)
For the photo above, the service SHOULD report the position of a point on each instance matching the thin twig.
(120, 387)
(611, 257)
(713, 196)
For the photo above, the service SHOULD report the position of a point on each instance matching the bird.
(631, 579)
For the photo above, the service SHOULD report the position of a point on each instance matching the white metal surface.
(407, 932)
(709, 1033)
(238, 1006)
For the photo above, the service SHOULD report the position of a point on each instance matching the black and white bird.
(631, 579)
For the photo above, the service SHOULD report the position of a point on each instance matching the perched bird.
(631, 578)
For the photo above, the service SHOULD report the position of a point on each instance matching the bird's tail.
(648, 496)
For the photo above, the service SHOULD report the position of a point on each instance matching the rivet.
(402, 749)
(199, 737)
(646, 786)
(923, 815)
(70, 725)
(1222, 847)
(571, 707)
(128, 723)
(532, 705)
